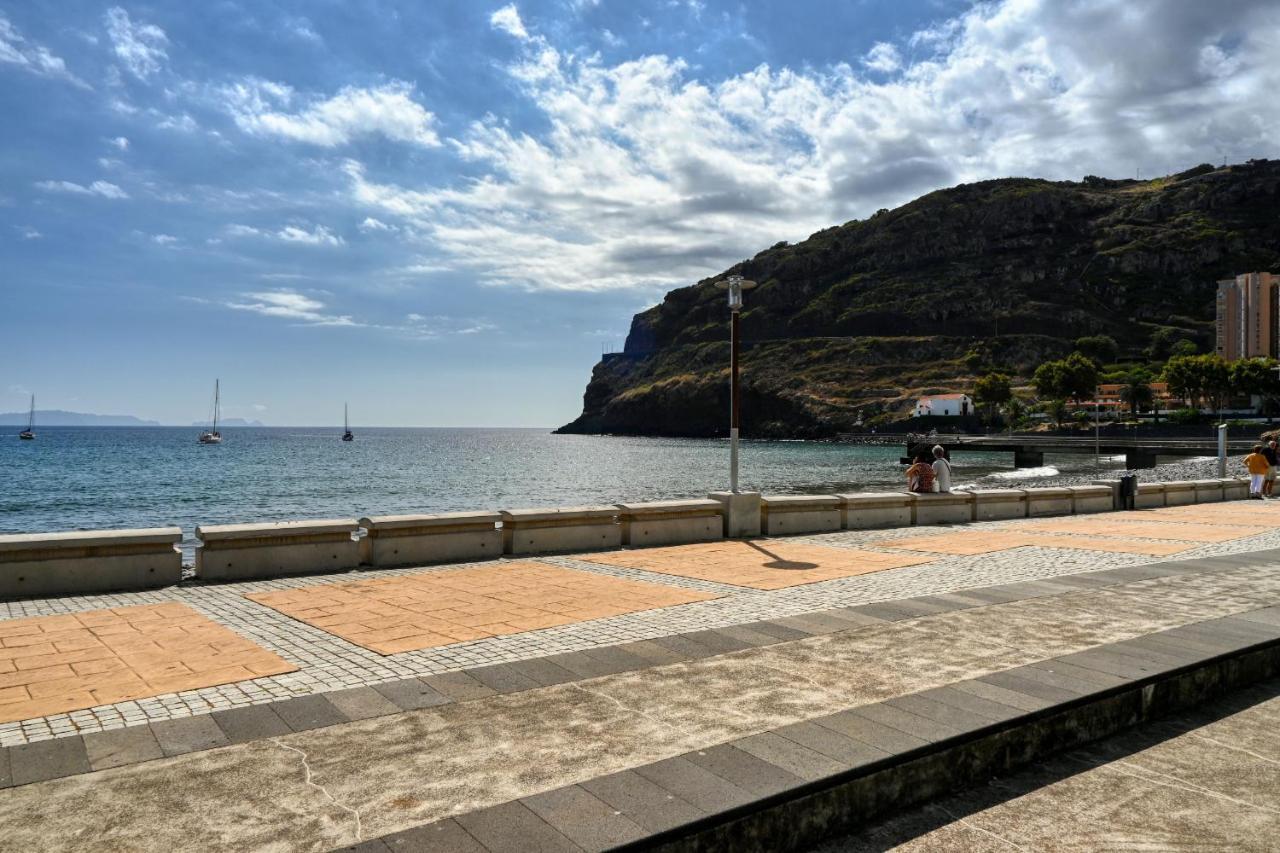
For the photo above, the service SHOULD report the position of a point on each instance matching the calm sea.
(101, 477)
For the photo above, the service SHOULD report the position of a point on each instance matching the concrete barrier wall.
(419, 540)
(1235, 489)
(942, 508)
(1179, 493)
(243, 551)
(1050, 500)
(1151, 496)
(1208, 491)
(996, 504)
(653, 523)
(1089, 499)
(871, 510)
(580, 528)
(80, 562)
(783, 515)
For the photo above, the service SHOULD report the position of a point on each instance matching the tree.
(1075, 377)
(1255, 376)
(1057, 409)
(1161, 343)
(1184, 347)
(1200, 378)
(992, 391)
(1136, 390)
(1100, 348)
(1050, 379)
(1184, 379)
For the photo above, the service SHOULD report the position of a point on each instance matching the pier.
(1028, 450)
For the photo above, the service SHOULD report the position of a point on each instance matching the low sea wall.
(87, 562)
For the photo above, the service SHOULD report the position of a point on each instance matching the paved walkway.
(369, 628)
(1206, 780)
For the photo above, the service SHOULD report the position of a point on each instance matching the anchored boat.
(346, 427)
(29, 433)
(212, 436)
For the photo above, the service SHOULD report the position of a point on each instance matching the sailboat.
(212, 436)
(29, 434)
(346, 426)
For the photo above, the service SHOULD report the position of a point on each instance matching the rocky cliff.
(863, 317)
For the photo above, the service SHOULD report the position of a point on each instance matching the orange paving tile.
(759, 564)
(419, 611)
(55, 664)
(974, 542)
(1146, 528)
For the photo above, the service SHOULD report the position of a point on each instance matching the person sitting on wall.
(1257, 465)
(941, 469)
(920, 475)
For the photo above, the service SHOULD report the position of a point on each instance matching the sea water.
(76, 478)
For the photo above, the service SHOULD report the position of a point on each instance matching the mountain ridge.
(858, 319)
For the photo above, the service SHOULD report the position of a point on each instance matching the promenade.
(624, 697)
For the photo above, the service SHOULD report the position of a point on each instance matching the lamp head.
(735, 284)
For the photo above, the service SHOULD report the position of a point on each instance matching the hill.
(230, 422)
(862, 318)
(58, 417)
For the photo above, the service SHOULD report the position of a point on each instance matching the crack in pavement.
(306, 765)
(1180, 784)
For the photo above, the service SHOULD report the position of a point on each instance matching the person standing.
(941, 469)
(1273, 459)
(1257, 466)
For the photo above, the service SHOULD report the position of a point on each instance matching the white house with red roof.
(943, 405)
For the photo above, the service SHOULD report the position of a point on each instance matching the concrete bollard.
(276, 549)
(419, 540)
(791, 514)
(741, 513)
(89, 561)
(653, 523)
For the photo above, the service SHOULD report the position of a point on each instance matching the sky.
(441, 212)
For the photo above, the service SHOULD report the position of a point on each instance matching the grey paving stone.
(458, 686)
(373, 845)
(826, 621)
(48, 759)
(889, 611)
(689, 648)
(747, 771)
(309, 712)
(253, 722)
(513, 828)
(188, 734)
(501, 678)
(887, 739)
(695, 785)
(797, 760)
(1115, 663)
(6, 769)
(643, 801)
(581, 664)
(1082, 581)
(833, 744)
(1267, 616)
(753, 639)
(1064, 669)
(362, 703)
(655, 654)
(892, 715)
(617, 659)
(962, 601)
(118, 747)
(583, 818)
(1136, 648)
(410, 694)
(993, 595)
(445, 836)
(785, 633)
(1005, 695)
(1184, 644)
(996, 712)
(543, 671)
(718, 641)
(940, 712)
(1029, 681)
(929, 605)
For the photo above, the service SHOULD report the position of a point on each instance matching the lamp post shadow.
(779, 562)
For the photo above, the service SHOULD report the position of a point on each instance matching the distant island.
(230, 422)
(57, 417)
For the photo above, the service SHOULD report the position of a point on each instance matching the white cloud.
(32, 57)
(98, 188)
(260, 107)
(120, 142)
(182, 123)
(163, 239)
(507, 19)
(318, 235)
(26, 232)
(438, 325)
(648, 176)
(883, 57)
(290, 305)
(370, 225)
(139, 47)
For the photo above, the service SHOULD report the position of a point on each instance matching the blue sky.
(440, 211)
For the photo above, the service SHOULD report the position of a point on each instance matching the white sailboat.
(29, 433)
(346, 426)
(212, 436)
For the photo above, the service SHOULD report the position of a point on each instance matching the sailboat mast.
(346, 426)
(31, 416)
(216, 391)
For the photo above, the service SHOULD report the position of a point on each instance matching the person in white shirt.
(941, 469)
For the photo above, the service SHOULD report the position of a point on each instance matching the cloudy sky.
(441, 211)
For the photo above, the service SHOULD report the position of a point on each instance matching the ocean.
(78, 478)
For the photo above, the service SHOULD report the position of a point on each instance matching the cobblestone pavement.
(326, 662)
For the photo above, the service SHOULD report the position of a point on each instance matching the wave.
(1026, 473)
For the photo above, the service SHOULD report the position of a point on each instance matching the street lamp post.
(735, 284)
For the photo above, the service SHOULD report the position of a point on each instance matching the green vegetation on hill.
(997, 276)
